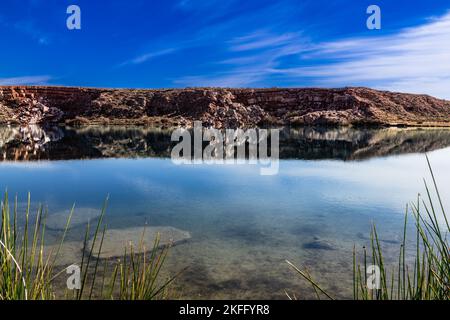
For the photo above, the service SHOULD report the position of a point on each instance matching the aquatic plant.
(28, 267)
(427, 278)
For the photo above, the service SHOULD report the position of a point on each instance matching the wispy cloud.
(415, 59)
(260, 40)
(412, 60)
(259, 53)
(25, 80)
(149, 56)
(202, 15)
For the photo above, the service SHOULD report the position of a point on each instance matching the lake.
(332, 184)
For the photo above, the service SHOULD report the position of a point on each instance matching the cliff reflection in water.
(90, 142)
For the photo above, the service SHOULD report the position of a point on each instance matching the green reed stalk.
(428, 278)
(27, 270)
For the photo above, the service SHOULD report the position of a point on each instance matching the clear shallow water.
(243, 225)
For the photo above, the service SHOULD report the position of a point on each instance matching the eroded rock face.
(32, 111)
(220, 107)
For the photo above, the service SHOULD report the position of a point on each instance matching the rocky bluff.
(220, 107)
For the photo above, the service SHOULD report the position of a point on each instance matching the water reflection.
(91, 142)
(239, 226)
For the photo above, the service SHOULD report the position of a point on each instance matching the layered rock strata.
(220, 107)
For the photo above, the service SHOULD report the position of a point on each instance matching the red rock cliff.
(220, 107)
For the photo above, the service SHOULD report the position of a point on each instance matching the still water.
(331, 186)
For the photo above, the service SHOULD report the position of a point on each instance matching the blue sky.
(228, 43)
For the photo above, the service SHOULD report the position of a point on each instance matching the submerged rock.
(69, 253)
(80, 216)
(318, 244)
(141, 239)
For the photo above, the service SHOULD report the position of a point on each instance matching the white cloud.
(413, 60)
(148, 56)
(259, 40)
(260, 51)
(26, 80)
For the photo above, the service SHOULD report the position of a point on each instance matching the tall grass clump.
(25, 271)
(28, 270)
(137, 275)
(423, 276)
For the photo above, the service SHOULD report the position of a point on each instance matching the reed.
(427, 277)
(28, 268)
